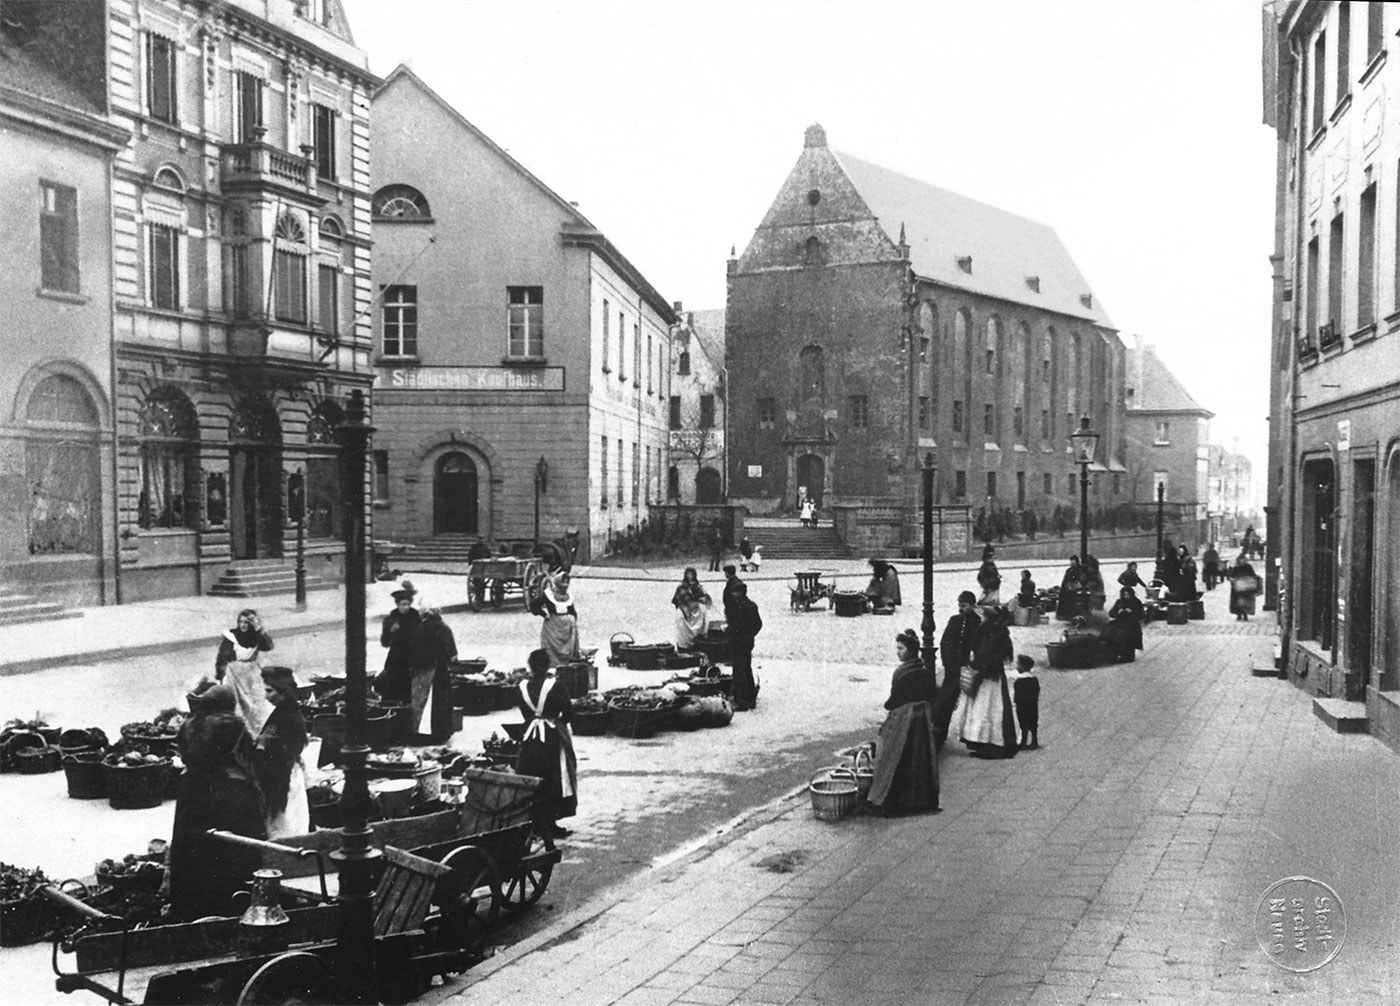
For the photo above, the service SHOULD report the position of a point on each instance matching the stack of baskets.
(82, 752)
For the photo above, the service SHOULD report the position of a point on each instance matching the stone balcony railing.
(260, 165)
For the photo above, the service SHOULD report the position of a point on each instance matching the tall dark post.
(355, 938)
(929, 470)
(301, 563)
(537, 509)
(1083, 510)
(1161, 516)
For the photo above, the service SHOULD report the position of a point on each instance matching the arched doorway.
(811, 475)
(62, 468)
(455, 495)
(1390, 673)
(255, 481)
(707, 486)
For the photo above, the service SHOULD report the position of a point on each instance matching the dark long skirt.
(205, 873)
(553, 761)
(906, 761)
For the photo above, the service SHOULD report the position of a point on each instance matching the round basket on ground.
(14, 743)
(705, 685)
(848, 603)
(863, 765)
(78, 740)
(617, 641)
(689, 715)
(578, 678)
(38, 760)
(635, 722)
(155, 741)
(84, 773)
(477, 698)
(133, 787)
(1177, 612)
(25, 920)
(683, 659)
(590, 716)
(834, 793)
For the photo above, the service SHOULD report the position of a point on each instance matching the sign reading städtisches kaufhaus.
(469, 379)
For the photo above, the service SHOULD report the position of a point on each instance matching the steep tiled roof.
(1008, 253)
(21, 71)
(1155, 388)
(709, 332)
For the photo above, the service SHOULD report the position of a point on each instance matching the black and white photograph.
(623, 503)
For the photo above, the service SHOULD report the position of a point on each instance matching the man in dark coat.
(399, 634)
(731, 581)
(716, 546)
(744, 625)
(955, 650)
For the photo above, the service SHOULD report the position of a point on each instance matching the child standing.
(1026, 691)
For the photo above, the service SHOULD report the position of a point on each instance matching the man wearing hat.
(955, 649)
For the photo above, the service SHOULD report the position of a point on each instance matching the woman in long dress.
(278, 757)
(906, 756)
(692, 606)
(1244, 587)
(989, 728)
(1067, 605)
(237, 663)
(547, 749)
(399, 634)
(559, 633)
(431, 692)
(1123, 634)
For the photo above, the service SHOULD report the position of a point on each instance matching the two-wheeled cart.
(499, 577)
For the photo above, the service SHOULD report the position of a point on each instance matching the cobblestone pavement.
(1122, 862)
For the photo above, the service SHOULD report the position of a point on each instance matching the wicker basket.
(590, 724)
(15, 742)
(687, 716)
(863, 765)
(848, 603)
(477, 698)
(637, 723)
(86, 779)
(379, 728)
(163, 743)
(617, 641)
(26, 920)
(834, 793)
(476, 666)
(683, 660)
(578, 678)
(77, 741)
(38, 760)
(646, 656)
(133, 787)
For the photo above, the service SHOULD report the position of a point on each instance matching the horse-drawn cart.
(499, 576)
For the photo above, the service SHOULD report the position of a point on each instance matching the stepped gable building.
(57, 501)
(697, 409)
(1168, 443)
(522, 362)
(241, 284)
(874, 318)
(1332, 94)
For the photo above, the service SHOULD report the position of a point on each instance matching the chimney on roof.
(1033, 282)
(1087, 299)
(965, 263)
(733, 264)
(816, 136)
(676, 306)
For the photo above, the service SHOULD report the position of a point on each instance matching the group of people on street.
(742, 625)
(417, 669)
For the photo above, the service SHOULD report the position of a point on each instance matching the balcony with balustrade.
(261, 167)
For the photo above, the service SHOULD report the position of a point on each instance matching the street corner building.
(875, 318)
(1332, 94)
(240, 284)
(521, 361)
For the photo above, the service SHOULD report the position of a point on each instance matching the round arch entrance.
(455, 503)
(811, 475)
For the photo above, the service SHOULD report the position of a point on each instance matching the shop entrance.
(1362, 572)
(455, 495)
(1317, 602)
(255, 482)
(811, 475)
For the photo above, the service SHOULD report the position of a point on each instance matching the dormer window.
(1033, 282)
(1087, 299)
(965, 263)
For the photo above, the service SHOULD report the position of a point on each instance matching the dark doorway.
(1319, 561)
(673, 483)
(811, 475)
(255, 502)
(454, 495)
(707, 486)
(1390, 664)
(1362, 571)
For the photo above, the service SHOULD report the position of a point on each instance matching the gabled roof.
(1009, 253)
(578, 231)
(1154, 388)
(20, 70)
(708, 327)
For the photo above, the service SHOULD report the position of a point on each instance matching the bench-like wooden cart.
(497, 577)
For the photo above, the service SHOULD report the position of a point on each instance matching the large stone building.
(698, 412)
(1168, 443)
(241, 282)
(874, 318)
(522, 361)
(1333, 96)
(58, 541)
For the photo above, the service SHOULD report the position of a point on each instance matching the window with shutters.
(289, 271)
(323, 138)
(163, 262)
(248, 93)
(328, 294)
(161, 78)
(707, 412)
(675, 412)
(58, 237)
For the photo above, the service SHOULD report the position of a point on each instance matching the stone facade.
(57, 499)
(536, 347)
(856, 347)
(697, 409)
(1334, 467)
(241, 282)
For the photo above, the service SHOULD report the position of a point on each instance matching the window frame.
(674, 412)
(1162, 433)
(290, 293)
(248, 108)
(859, 412)
(767, 409)
(172, 300)
(526, 317)
(328, 297)
(405, 324)
(59, 268)
(707, 411)
(163, 69)
(323, 128)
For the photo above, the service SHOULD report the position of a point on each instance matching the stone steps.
(1343, 716)
(17, 608)
(796, 542)
(264, 578)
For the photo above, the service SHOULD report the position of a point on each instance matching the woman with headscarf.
(1068, 604)
(238, 664)
(989, 579)
(398, 633)
(431, 691)
(692, 606)
(547, 749)
(559, 633)
(906, 756)
(989, 727)
(278, 757)
(219, 789)
(1244, 587)
(1122, 636)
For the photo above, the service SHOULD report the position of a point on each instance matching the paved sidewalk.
(1121, 863)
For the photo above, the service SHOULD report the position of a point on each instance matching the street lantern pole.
(1083, 510)
(929, 470)
(1161, 518)
(356, 856)
(301, 560)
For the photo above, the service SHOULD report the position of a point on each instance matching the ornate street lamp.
(1085, 442)
(541, 486)
(930, 470)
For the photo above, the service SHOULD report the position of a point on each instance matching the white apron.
(244, 675)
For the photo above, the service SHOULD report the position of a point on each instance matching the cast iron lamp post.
(930, 470)
(1084, 441)
(541, 486)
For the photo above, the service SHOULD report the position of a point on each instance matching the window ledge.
(1373, 67)
(63, 296)
(165, 532)
(1364, 334)
(1317, 137)
(402, 220)
(524, 361)
(1342, 105)
(380, 504)
(397, 359)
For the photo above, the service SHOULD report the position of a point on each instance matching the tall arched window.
(1047, 385)
(169, 434)
(400, 202)
(323, 509)
(61, 468)
(1020, 338)
(813, 369)
(962, 372)
(289, 269)
(992, 349)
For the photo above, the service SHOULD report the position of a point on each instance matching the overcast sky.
(1132, 128)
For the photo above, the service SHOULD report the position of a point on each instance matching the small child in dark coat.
(1026, 695)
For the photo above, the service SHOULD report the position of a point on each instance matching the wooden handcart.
(811, 590)
(499, 577)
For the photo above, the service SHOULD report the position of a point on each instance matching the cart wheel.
(526, 887)
(498, 593)
(470, 895)
(476, 590)
(443, 935)
(291, 978)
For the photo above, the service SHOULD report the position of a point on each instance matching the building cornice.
(580, 236)
(297, 43)
(62, 120)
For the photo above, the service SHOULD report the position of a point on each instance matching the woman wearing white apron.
(547, 749)
(279, 757)
(238, 665)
